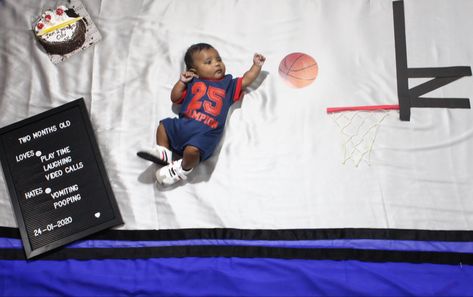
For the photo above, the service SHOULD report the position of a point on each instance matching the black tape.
(401, 61)
(441, 102)
(439, 71)
(430, 86)
(442, 76)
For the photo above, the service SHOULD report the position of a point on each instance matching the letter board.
(55, 175)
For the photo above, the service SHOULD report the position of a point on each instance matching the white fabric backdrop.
(279, 163)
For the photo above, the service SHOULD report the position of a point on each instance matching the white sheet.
(279, 163)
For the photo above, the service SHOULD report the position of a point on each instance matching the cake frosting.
(60, 31)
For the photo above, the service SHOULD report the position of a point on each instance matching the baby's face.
(208, 64)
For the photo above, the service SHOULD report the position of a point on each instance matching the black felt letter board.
(55, 175)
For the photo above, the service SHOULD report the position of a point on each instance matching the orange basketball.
(298, 70)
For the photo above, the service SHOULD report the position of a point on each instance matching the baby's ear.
(193, 70)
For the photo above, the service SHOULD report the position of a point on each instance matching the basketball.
(298, 70)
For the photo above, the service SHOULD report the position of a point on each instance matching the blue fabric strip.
(231, 277)
(398, 245)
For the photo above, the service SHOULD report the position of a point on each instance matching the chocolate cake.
(61, 31)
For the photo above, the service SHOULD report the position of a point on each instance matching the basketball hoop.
(358, 126)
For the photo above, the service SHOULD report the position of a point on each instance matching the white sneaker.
(158, 154)
(171, 173)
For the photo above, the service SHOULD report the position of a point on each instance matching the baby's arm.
(181, 85)
(252, 74)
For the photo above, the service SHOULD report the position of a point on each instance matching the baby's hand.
(258, 59)
(187, 76)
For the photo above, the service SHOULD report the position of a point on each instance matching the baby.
(205, 93)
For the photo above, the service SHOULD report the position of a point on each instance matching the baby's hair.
(194, 49)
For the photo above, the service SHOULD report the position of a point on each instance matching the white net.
(358, 129)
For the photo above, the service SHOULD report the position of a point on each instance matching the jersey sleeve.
(237, 89)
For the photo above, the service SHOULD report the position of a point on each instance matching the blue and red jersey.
(202, 115)
(208, 101)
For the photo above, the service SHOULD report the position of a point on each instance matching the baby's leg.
(162, 136)
(190, 158)
(160, 153)
(178, 170)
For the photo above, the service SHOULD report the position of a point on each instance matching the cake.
(60, 31)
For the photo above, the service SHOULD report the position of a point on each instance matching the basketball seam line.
(281, 70)
(294, 63)
(304, 68)
(312, 78)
